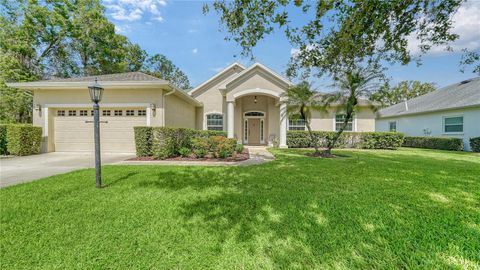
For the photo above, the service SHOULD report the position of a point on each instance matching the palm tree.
(353, 84)
(301, 100)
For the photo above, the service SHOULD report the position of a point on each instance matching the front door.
(253, 131)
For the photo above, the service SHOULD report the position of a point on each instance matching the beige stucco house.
(244, 102)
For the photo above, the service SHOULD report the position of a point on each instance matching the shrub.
(222, 147)
(239, 148)
(453, 144)
(475, 144)
(143, 141)
(184, 152)
(370, 140)
(3, 140)
(24, 140)
(200, 147)
(381, 140)
(165, 142)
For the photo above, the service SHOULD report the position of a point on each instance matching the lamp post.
(96, 92)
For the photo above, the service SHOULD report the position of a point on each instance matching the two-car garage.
(73, 129)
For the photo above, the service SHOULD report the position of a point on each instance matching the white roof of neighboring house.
(117, 80)
(459, 95)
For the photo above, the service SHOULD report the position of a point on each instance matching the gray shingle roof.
(459, 95)
(117, 77)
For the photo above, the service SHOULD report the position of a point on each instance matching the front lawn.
(410, 208)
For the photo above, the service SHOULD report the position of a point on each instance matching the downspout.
(163, 104)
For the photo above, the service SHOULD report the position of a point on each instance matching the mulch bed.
(208, 158)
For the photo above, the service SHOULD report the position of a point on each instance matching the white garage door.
(73, 134)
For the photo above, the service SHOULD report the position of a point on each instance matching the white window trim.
(245, 131)
(395, 126)
(262, 122)
(288, 126)
(354, 122)
(258, 117)
(455, 132)
(205, 125)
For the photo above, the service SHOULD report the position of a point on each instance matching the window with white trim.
(453, 124)
(214, 121)
(296, 124)
(142, 112)
(106, 112)
(130, 112)
(72, 113)
(339, 119)
(60, 113)
(118, 112)
(261, 130)
(392, 126)
(83, 113)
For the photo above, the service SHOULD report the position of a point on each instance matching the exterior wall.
(364, 120)
(179, 113)
(65, 97)
(213, 100)
(254, 81)
(414, 125)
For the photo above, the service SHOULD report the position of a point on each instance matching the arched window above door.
(254, 114)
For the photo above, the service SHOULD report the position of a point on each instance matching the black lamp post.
(96, 92)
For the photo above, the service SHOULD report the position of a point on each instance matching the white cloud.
(466, 24)
(122, 29)
(195, 51)
(134, 10)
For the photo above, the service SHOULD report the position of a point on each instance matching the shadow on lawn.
(294, 213)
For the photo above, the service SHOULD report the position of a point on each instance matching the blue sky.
(193, 41)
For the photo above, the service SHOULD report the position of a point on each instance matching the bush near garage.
(23, 140)
(475, 144)
(3, 140)
(367, 140)
(441, 143)
(167, 142)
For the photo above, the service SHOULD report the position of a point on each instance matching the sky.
(196, 44)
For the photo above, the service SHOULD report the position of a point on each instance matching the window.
(392, 126)
(261, 130)
(72, 113)
(142, 112)
(339, 118)
(118, 113)
(453, 124)
(254, 114)
(92, 113)
(296, 124)
(83, 113)
(245, 131)
(61, 113)
(215, 122)
(130, 112)
(106, 112)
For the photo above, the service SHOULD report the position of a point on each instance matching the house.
(453, 111)
(244, 102)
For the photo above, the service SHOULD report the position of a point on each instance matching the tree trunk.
(352, 102)
(312, 136)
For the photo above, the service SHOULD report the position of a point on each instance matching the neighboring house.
(452, 111)
(244, 102)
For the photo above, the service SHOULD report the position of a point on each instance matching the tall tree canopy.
(159, 66)
(64, 38)
(388, 95)
(339, 34)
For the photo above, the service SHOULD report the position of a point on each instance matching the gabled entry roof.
(231, 68)
(253, 68)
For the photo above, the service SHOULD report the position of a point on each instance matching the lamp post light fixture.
(96, 92)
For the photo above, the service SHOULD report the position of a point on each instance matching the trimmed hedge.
(24, 140)
(368, 140)
(165, 142)
(475, 144)
(3, 140)
(441, 143)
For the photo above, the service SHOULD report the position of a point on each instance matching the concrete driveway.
(17, 170)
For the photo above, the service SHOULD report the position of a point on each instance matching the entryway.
(254, 128)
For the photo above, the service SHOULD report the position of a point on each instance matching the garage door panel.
(117, 135)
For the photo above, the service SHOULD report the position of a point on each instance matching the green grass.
(409, 208)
